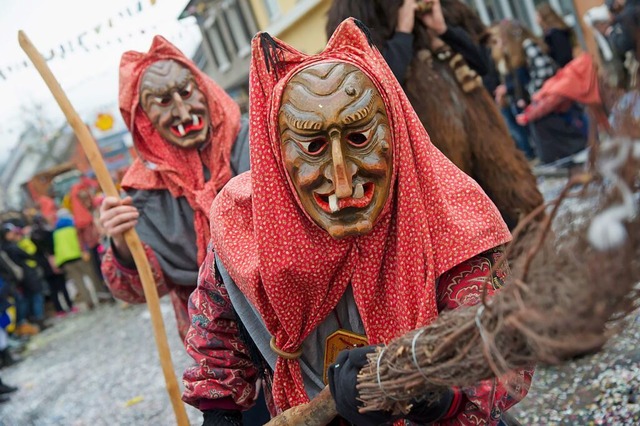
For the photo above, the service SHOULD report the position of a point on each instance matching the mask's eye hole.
(315, 147)
(163, 100)
(186, 91)
(358, 139)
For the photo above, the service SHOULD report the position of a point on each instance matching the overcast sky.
(90, 79)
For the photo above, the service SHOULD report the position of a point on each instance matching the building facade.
(227, 27)
(491, 11)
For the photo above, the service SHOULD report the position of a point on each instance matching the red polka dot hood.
(292, 271)
(164, 166)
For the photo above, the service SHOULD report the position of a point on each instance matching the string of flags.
(91, 39)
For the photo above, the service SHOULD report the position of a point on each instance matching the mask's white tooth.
(358, 192)
(333, 203)
(181, 130)
(196, 120)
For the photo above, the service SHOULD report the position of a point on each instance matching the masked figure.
(350, 229)
(440, 63)
(82, 206)
(191, 140)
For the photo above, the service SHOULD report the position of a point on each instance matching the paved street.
(95, 368)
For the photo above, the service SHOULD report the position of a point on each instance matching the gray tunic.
(312, 359)
(166, 223)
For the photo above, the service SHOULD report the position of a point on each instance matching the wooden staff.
(320, 411)
(131, 237)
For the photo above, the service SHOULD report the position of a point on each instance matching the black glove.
(431, 407)
(222, 418)
(342, 383)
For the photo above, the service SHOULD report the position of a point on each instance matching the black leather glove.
(222, 418)
(342, 383)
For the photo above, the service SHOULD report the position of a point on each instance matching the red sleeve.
(543, 106)
(484, 403)
(224, 377)
(125, 283)
(180, 299)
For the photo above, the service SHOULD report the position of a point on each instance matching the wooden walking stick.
(131, 237)
(320, 411)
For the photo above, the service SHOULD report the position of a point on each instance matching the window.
(273, 9)
(525, 12)
(564, 9)
(217, 45)
(227, 28)
(240, 31)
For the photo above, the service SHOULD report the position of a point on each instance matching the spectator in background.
(5, 390)
(30, 297)
(48, 208)
(82, 207)
(598, 20)
(558, 36)
(70, 256)
(11, 275)
(558, 133)
(510, 93)
(620, 6)
(42, 236)
(576, 82)
(623, 32)
(8, 280)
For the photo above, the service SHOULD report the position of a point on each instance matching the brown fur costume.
(466, 127)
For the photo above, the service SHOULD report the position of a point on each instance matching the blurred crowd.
(49, 269)
(543, 84)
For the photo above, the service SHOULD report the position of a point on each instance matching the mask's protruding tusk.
(358, 192)
(333, 203)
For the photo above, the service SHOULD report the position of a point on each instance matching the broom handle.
(131, 237)
(320, 411)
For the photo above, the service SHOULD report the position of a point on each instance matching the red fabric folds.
(293, 272)
(165, 166)
(82, 217)
(578, 81)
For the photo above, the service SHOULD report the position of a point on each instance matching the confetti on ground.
(84, 370)
(134, 401)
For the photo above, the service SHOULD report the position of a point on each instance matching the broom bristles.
(564, 299)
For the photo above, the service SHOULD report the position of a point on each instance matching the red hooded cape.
(82, 217)
(164, 166)
(578, 81)
(292, 271)
(48, 208)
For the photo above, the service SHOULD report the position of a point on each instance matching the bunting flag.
(80, 43)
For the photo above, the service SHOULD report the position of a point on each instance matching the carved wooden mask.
(176, 107)
(336, 146)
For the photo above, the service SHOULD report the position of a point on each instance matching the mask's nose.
(340, 169)
(180, 108)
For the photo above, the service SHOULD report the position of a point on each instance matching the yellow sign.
(104, 122)
(337, 342)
